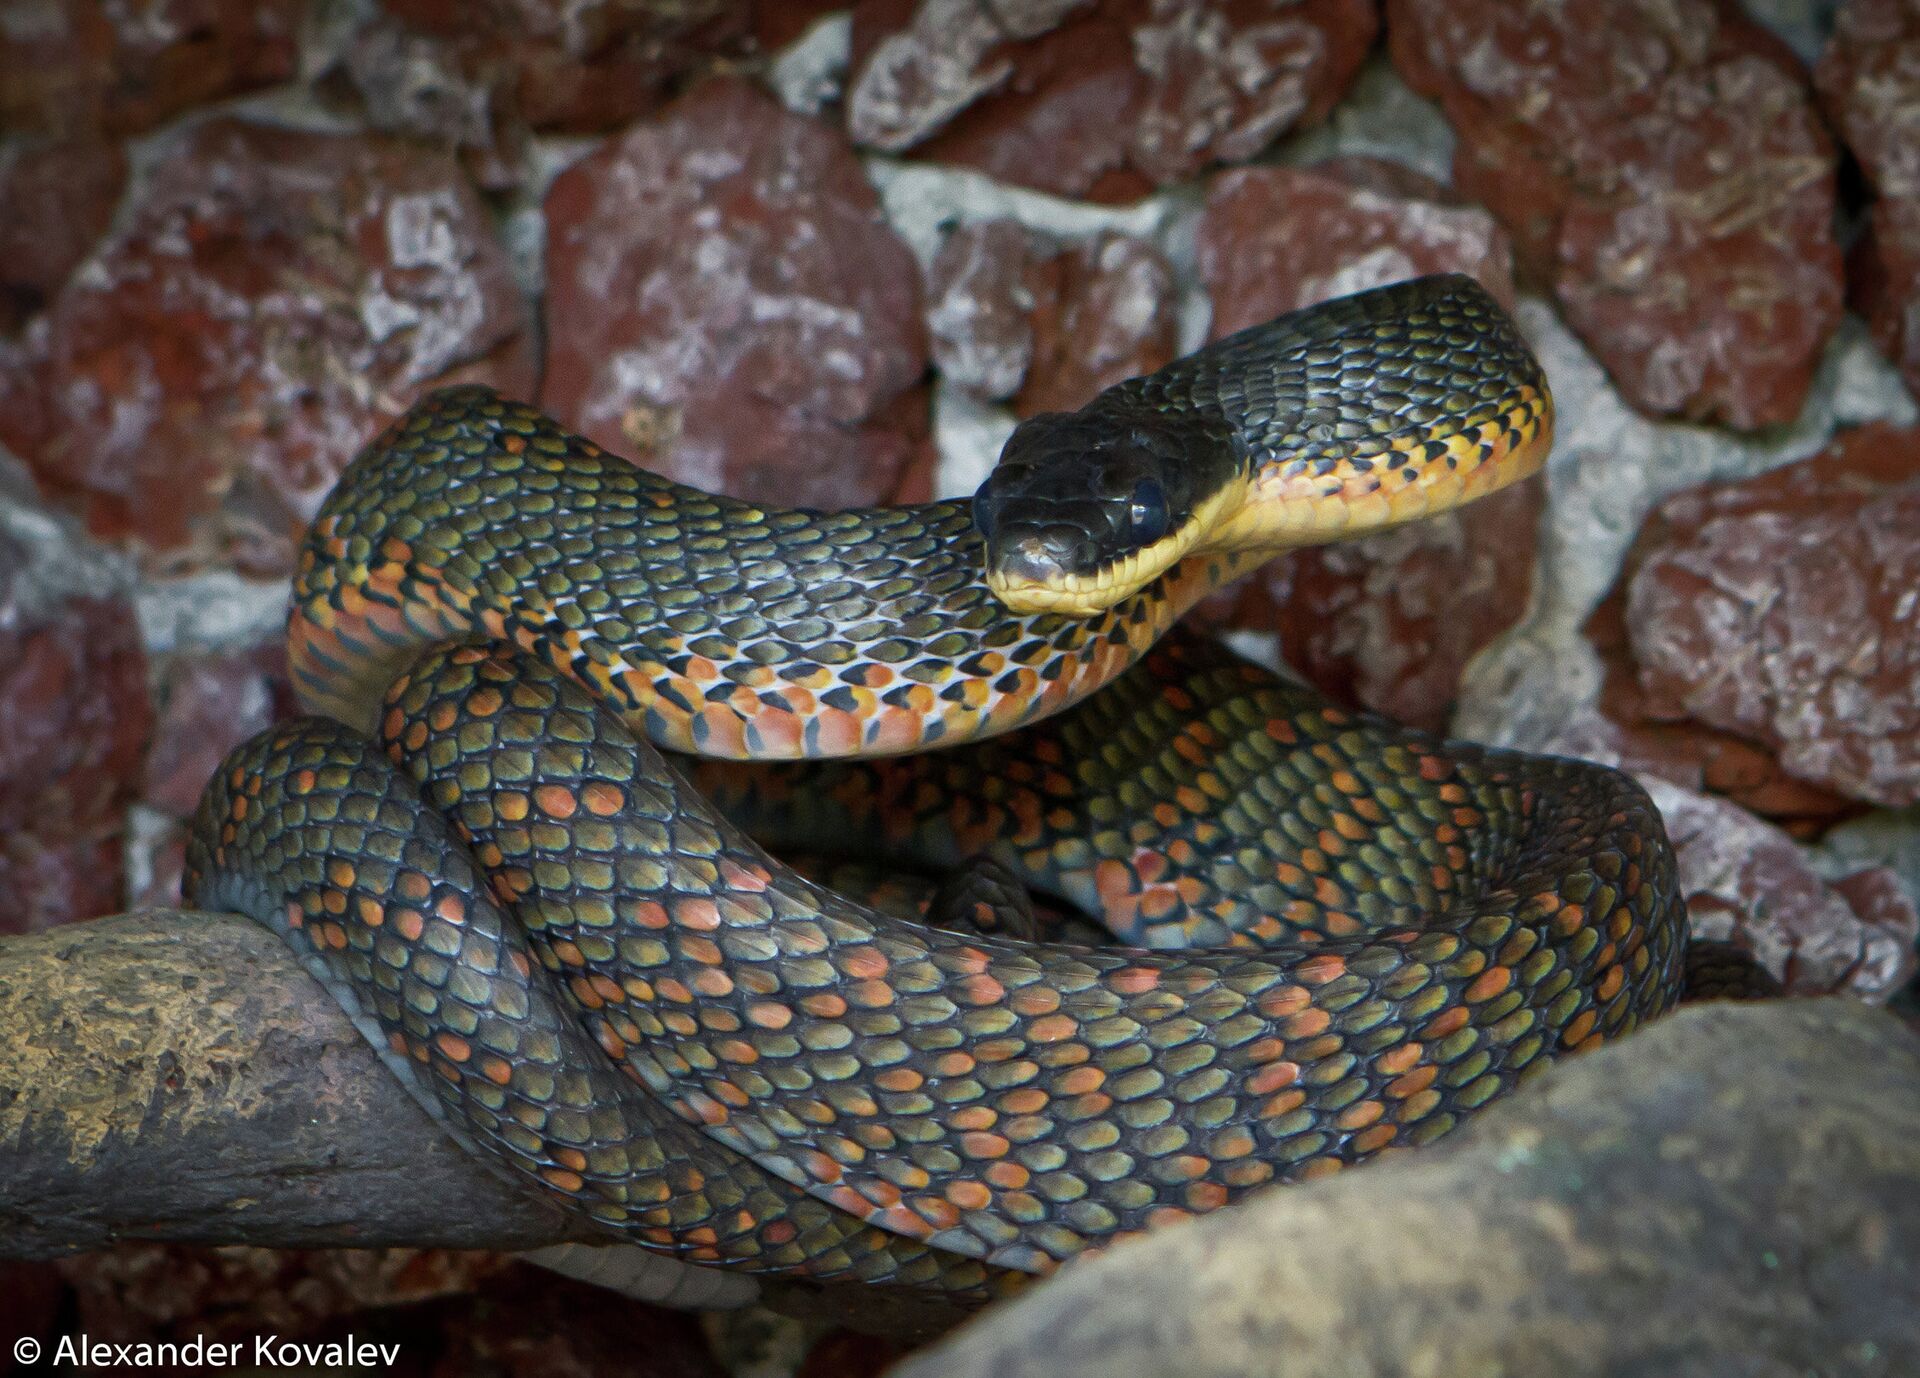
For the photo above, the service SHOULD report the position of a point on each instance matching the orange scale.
(1412, 1083)
(1285, 1000)
(766, 1014)
(1162, 1216)
(981, 990)
(970, 1117)
(824, 1004)
(584, 992)
(899, 1079)
(1321, 969)
(1581, 1026)
(1283, 1104)
(562, 1179)
(1361, 1114)
(696, 912)
(984, 1145)
(899, 1220)
(969, 1195)
(942, 1215)
(1273, 1077)
(871, 995)
(1611, 983)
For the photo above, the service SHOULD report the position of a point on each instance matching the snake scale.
(1344, 935)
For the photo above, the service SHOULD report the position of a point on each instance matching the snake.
(508, 833)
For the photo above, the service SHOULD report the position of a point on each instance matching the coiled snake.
(1347, 935)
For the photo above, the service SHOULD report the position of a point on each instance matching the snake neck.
(714, 626)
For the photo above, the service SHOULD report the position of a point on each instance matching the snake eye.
(986, 510)
(1147, 512)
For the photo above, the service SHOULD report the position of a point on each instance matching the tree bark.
(174, 1075)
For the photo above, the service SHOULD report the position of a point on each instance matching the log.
(171, 1075)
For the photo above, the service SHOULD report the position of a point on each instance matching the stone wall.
(830, 257)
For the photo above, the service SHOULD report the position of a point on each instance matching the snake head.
(1085, 508)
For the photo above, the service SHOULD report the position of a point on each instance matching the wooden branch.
(178, 1076)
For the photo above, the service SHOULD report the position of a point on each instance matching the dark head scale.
(1078, 496)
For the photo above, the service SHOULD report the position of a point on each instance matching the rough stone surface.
(58, 198)
(207, 706)
(1013, 317)
(1274, 239)
(1784, 609)
(77, 66)
(1733, 1190)
(1610, 467)
(1663, 169)
(1099, 97)
(1748, 882)
(482, 79)
(727, 304)
(273, 299)
(74, 723)
(1869, 81)
(1389, 622)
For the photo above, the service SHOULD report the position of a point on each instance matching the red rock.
(74, 721)
(479, 78)
(1100, 97)
(274, 298)
(1104, 311)
(1748, 882)
(1274, 239)
(58, 198)
(1869, 80)
(1389, 622)
(726, 302)
(1783, 609)
(1653, 739)
(1011, 313)
(208, 705)
(980, 307)
(1661, 168)
(79, 66)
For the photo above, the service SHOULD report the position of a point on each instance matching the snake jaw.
(1087, 595)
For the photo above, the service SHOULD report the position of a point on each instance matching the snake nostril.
(1044, 554)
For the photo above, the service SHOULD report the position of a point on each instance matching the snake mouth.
(1027, 581)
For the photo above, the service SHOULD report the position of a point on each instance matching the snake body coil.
(588, 972)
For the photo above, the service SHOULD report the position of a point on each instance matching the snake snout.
(1042, 554)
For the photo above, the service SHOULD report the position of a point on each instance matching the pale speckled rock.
(59, 197)
(1747, 881)
(1274, 239)
(74, 724)
(84, 66)
(726, 303)
(1869, 80)
(1019, 317)
(1732, 1190)
(272, 298)
(1786, 608)
(1106, 98)
(1610, 466)
(1663, 169)
(481, 79)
